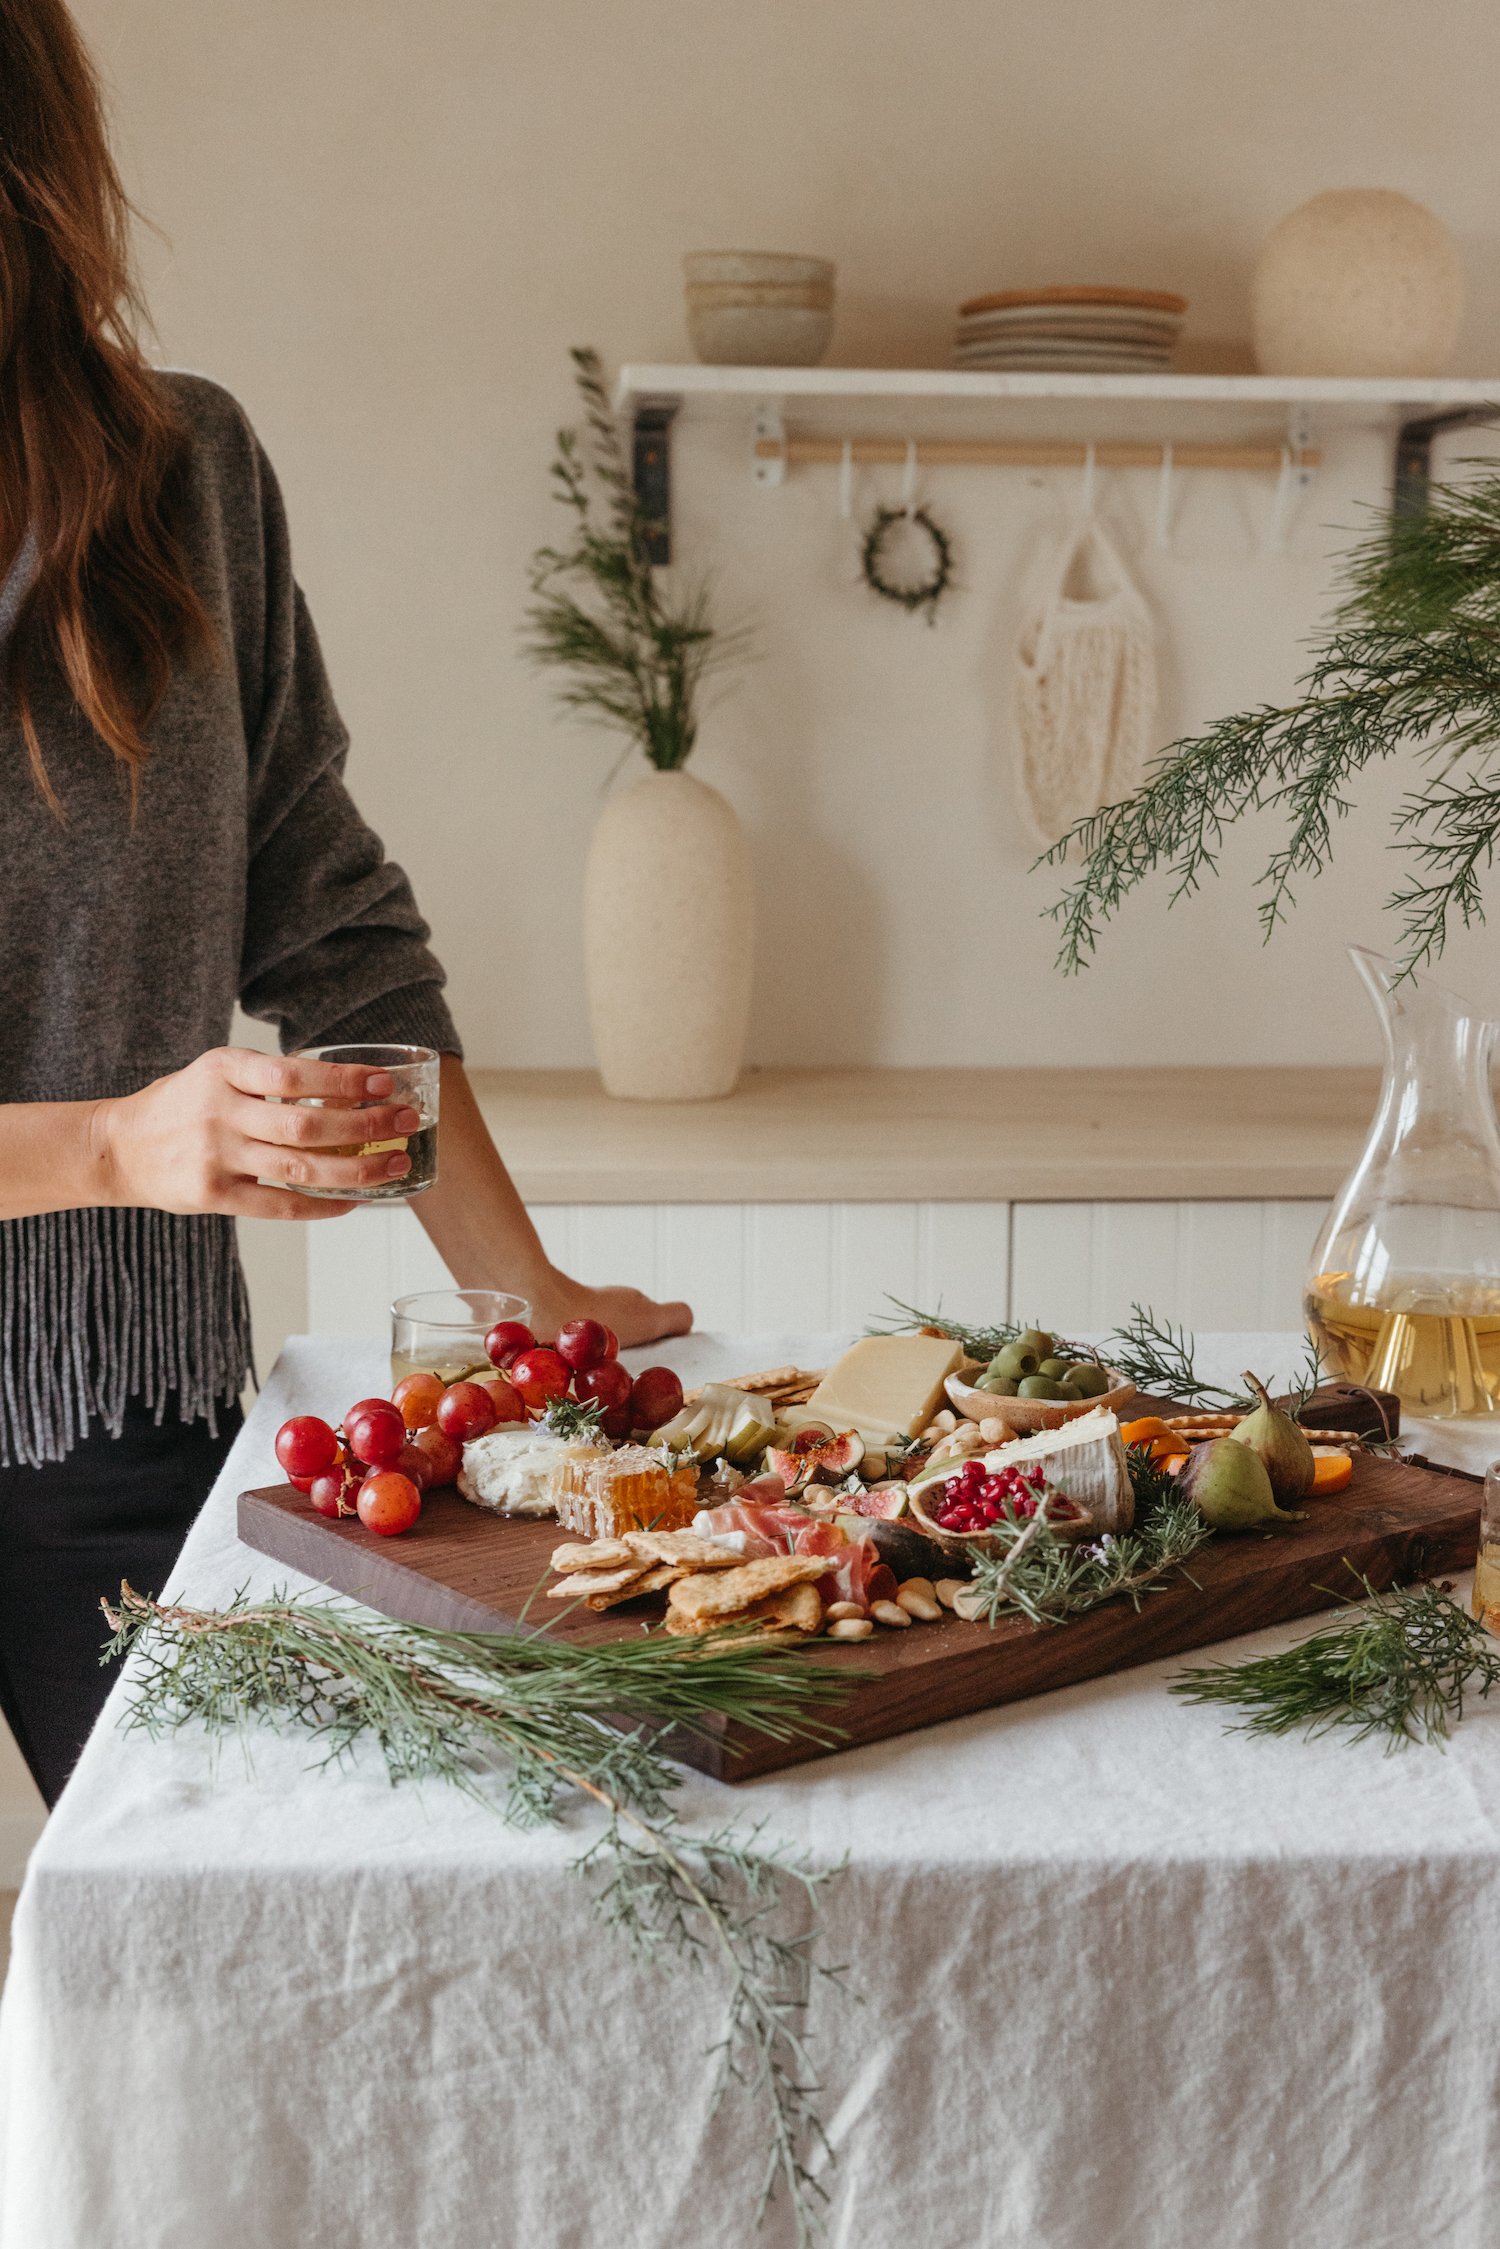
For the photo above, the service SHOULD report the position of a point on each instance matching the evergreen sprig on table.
(1400, 1667)
(446, 1705)
(1412, 667)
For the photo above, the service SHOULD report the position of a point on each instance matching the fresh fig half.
(811, 1437)
(884, 1502)
(838, 1455)
(791, 1467)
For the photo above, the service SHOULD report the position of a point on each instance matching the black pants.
(69, 1531)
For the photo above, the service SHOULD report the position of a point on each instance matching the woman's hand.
(635, 1318)
(204, 1138)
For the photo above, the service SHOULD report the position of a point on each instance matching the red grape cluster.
(978, 1498)
(389, 1451)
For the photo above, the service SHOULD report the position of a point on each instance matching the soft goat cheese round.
(515, 1470)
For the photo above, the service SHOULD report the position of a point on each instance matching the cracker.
(721, 1592)
(594, 1582)
(593, 1554)
(686, 1547)
(652, 1581)
(795, 1613)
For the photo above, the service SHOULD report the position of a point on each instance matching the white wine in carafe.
(1439, 1359)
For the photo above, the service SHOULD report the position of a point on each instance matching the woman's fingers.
(299, 1167)
(286, 1125)
(292, 1077)
(247, 1200)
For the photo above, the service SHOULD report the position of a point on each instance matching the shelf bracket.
(1413, 470)
(768, 428)
(1301, 440)
(651, 471)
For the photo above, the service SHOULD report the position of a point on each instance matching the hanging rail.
(940, 452)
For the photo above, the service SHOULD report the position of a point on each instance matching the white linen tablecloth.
(1127, 1979)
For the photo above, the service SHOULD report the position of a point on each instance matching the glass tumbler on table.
(414, 1073)
(441, 1331)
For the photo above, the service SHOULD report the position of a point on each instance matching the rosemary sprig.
(1039, 1575)
(573, 1417)
(1158, 1359)
(978, 1342)
(444, 1705)
(1400, 1668)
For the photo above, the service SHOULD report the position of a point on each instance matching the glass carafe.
(1403, 1291)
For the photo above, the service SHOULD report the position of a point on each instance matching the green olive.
(1042, 1386)
(1089, 1379)
(1014, 1362)
(1057, 1369)
(1038, 1342)
(998, 1385)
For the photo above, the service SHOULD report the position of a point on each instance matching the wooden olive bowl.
(1027, 1415)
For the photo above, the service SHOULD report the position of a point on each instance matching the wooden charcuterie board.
(466, 1570)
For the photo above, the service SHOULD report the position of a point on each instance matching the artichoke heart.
(721, 1423)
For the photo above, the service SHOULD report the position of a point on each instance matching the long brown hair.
(91, 451)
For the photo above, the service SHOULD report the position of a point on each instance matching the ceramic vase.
(1359, 281)
(669, 940)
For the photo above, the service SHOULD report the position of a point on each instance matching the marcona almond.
(887, 1612)
(850, 1628)
(947, 1590)
(839, 1609)
(918, 1604)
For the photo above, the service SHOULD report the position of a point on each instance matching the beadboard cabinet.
(815, 1266)
(809, 1197)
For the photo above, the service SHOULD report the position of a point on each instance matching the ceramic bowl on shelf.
(758, 308)
(758, 267)
(1027, 1415)
(759, 335)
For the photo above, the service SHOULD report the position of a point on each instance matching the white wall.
(385, 224)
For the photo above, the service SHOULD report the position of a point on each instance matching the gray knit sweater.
(247, 873)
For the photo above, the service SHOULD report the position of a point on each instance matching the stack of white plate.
(759, 308)
(1077, 331)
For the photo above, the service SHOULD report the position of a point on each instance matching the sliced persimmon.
(1146, 1430)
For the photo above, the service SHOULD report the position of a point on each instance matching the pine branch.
(445, 1705)
(1411, 668)
(1400, 1668)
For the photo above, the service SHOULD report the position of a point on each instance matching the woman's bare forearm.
(483, 1232)
(53, 1156)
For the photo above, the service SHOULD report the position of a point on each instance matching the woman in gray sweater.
(177, 836)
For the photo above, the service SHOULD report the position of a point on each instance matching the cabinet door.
(1231, 1265)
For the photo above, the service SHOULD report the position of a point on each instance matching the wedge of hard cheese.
(886, 1386)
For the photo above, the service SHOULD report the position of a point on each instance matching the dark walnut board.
(466, 1570)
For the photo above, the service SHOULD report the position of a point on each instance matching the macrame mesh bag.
(1085, 688)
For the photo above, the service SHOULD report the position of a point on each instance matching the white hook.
(1164, 502)
(909, 478)
(846, 480)
(1088, 479)
(1286, 480)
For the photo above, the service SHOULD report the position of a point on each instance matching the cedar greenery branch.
(1412, 666)
(445, 1705)
(634, 655)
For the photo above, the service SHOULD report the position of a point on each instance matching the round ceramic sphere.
(1360, 281)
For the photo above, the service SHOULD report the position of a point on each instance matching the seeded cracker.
(594, 1554)
(595, 1582)
(685, 1547)
(723, 1592)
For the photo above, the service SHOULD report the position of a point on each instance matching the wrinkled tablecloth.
(1124, 1978)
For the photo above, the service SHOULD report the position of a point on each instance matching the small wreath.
(924, 593)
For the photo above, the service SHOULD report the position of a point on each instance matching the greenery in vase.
(444, 1705)
(1412, 665)
(634, 655)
